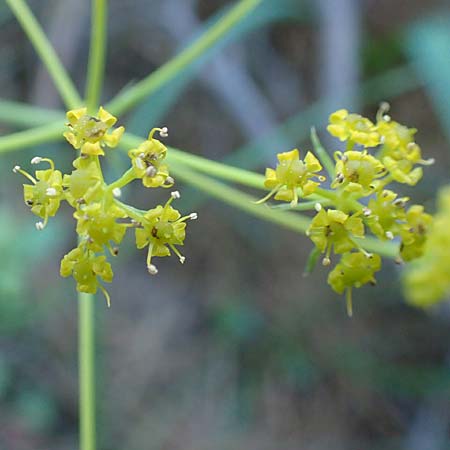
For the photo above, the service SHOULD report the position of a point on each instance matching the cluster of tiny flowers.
(427, 280)
(102, 219)
(377, 154)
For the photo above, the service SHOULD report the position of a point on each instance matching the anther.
(366, 212)
(339, 178)
(140, 164)
(36, 160)
(193, 216)
(387, 118)
(326, 261)
(175, 195)
(16, 169)
(151, 171)
(51, 192)
(117, 192)
(39, 226)
(182, 259)
(389, 235)
(318, 207)
(164, 132)
(152, 270)
(170, 180)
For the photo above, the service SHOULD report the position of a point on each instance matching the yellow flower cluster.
(427, 280)
(102, 219)
(376, 154)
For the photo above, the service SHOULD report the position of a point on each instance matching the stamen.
(105, 293)
(389, 235)
(326, 261)
(318, 207)
(39, 226)
(36, 160)
(193, 216)
(175, 194)
(152, 270)
(366, 212)
(151, 171)
(164, 132)
(18, 169)
(117, 192)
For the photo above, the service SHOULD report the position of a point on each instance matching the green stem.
(323, 155)
(46, 52)
(240, 200)
(126, 178)
(97, 52)
(214, 168)
(86, 346)
(34, 136)
(130, 97)
(24, 115)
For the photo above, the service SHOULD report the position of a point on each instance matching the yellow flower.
(162, 229)
(291, 174)
(414, 233)
(86, 269)
(333, 228)
(426, 281)
(399, 153)
(85, 184)
(148, 161)
(353, 128)
(91, 133)
(45, 194)
(357, 171)
(353, 270)
(99, 225)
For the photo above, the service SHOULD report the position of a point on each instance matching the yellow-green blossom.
(357, 171)
(44, 195)
(91, 133)
(353, 128)
(85, 184)
(162, 229)
(291, 174)
(353, 270)
(334, 229)
(148, 161)
(99, 225)
(399, 153)
(427, 280)
(385, 214)
(414, 232)
(86, 269)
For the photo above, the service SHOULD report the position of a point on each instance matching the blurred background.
(235, 349)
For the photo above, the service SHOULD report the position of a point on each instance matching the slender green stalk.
(322, 154)
(130, 97)
(34, 136)
(86, 364)
(46, 52)
(97, 52)
(24, 115)
(239, 199)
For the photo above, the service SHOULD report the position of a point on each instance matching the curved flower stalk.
(357, 201)
(101, 219)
